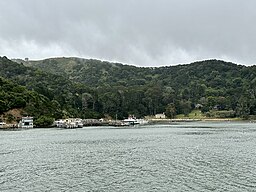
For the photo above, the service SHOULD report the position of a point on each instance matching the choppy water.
(178, 157)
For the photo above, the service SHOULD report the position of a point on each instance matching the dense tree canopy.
(91, 88)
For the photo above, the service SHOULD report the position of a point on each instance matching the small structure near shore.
(26, 122)
(69, 123)
(160, 116)
(2, 125)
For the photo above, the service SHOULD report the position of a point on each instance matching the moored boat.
(134, 121)
(2, 125)
(69, 123)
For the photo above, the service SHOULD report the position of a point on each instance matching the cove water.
(199, 156)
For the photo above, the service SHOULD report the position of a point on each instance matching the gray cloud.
(140, 32)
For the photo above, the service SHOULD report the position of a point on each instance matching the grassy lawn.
(195, 114)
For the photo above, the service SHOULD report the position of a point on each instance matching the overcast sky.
(139, 32)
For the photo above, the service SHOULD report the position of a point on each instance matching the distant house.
(26, 122)
(160, 116)
(198, 106)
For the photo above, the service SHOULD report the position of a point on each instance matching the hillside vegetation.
(92, 88)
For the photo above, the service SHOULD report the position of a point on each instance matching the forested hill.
(97, 73)
(43, 93)
(93, 88)
(93, 72)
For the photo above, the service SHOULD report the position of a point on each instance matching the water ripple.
(207, 157)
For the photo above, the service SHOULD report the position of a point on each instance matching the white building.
(26, 122)
(2, 124)
(160, 116)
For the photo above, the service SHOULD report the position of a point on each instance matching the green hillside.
(93, 88)
(60, 92)
(14, 96)
(94, 72)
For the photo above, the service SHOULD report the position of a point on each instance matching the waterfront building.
(160, 116)
(26, 122)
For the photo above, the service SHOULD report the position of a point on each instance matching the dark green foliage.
(170, 111)
(185, 107)
(91, 89)
(15, 96)
(44, 121)
(51, 94)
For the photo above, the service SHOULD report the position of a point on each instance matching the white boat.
(69, 123)
(2, 124)
(134, 121)
(142, 121)
(79, 123)
(130, 121)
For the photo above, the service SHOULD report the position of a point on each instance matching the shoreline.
(151, 121)
(196, 120)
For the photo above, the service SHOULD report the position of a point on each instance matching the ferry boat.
(134, 121)
(130, 121)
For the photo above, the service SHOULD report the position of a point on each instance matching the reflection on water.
(176, 157)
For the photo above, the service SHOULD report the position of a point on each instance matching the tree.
(3, 106)
(44, 121)
(168, 95)
(243, 109)
(185, 107)
(170, 111)
(86, 98)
